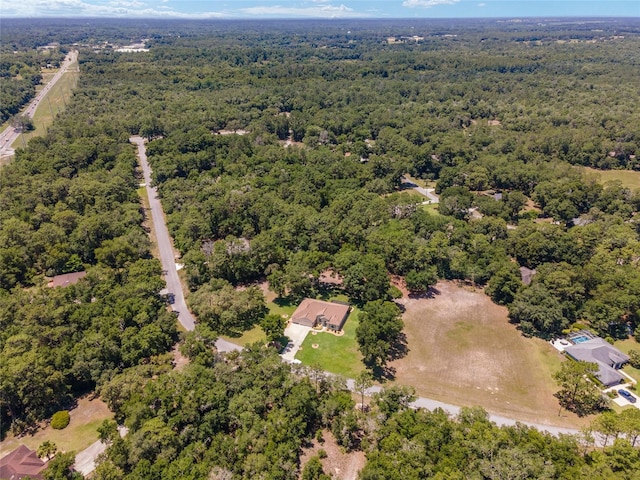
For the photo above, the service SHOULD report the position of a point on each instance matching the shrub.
(322, 453)
(60, 419)
(634, 358)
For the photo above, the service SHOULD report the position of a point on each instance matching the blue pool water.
(581, 339)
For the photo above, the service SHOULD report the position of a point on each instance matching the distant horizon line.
(328, 19)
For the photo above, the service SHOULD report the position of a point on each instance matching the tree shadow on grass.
(287, 301)
(399, 349)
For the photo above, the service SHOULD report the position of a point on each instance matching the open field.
(628, 178)
(81, 432)
(54, 102)
(335, 354)
(463, 350)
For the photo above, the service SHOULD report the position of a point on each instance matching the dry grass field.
(628, 178)
(462, 350)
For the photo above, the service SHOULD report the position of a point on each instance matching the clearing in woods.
(82, 431)
(463, 350)
(628, 178)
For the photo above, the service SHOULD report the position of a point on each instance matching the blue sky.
(318, 8)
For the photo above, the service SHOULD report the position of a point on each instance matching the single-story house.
(21, 463)
(331, 315)
(66, 279)
(608, 358)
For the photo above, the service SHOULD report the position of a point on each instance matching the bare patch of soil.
(337, 464)
(179, 360)
(463, 350)
(269, 296)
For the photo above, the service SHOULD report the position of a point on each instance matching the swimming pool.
(580, 339)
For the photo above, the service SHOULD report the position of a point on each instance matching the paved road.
(427, 192)
(167, 254)
(429, 404)
(186, 319)
(11, 134)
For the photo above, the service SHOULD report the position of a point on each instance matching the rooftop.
(21, 463)
(335, 313)
(606, 356)
(66, 279)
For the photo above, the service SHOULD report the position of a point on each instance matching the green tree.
(273, 326)
(421, 280)
(363, 381)
(59, 468)
(47, 449)
(578, 393)
(378, 331)
(313, 470)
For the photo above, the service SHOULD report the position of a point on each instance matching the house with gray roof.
(608, 358)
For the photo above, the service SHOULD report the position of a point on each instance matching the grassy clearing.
(53, 103)
(463, 350)
(628, 178)
(431, 208)
(81, 432)
(256, 334)
(335, 354)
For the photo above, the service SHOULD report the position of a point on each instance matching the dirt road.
(11, 134)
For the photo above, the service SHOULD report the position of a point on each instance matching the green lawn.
(335, 354)
(250, 336)
(81, 432)
(629, 178)
(431, 208)
(279, 306)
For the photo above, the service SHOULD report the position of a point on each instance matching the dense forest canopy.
(279, 153)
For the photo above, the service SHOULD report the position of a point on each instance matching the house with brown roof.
(21, 463)
(66, 279)
(330, 315)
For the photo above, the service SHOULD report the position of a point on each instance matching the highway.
(167, 253)
(11, 134)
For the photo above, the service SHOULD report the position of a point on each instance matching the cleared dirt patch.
(463, 350)
(337, 464)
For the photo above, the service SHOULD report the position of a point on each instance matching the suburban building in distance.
(330, 315)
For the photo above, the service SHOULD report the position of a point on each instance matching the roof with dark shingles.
(599, 351)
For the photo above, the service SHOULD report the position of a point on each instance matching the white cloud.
(320, 11)
(79, 8)
(427, 3)
(482, 4)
